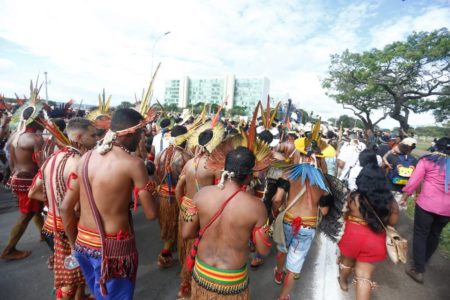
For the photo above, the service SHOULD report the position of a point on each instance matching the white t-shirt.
(161, 145)
(350, 154)
(354, 172)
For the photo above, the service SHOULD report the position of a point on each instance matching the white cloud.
(393, 30)
(87, 45)
(6, 64)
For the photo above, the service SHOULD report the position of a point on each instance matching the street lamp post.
(153, 49)
(46, 88)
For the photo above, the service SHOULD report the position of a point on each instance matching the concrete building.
(244, 92)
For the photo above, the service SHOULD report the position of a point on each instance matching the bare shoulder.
(205, 192)
(255, 202)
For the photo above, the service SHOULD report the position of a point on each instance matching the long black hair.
(374, 196)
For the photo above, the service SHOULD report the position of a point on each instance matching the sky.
(85, 46)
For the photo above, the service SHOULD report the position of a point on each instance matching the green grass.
(423, 145)
(444, 244)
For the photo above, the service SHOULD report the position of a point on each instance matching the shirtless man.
(113, 174)
(300, 221)
(223, 250)
(169, 164)
(68, 283)
(24, 157)
(195, 175)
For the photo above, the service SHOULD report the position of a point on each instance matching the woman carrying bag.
(370, 209)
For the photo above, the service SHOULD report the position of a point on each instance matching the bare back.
(308, 204)
(70, 166)
(173, 157)
(197, 175)
(22, 154)
(111, 181)
(225, 243)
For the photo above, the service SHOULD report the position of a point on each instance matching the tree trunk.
(396, 114)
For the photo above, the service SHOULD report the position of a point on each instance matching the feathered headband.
(218, 132)
(259, 148)
(314, 144)
(102, 115)
(18, 121)
(111, 136)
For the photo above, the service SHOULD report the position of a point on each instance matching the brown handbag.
(119, 256)
(396, 246)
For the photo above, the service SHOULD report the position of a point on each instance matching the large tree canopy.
(413, 75)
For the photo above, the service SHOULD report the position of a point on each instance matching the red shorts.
(361, 243)
(27, 205)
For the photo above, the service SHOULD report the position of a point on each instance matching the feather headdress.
(53, 129)
(18, 121)
(3, 104)
(192, 134)
(103, 111)
(314, 144)
(146, 99)
(218, 132)
(61, 110)
(259, 148)
(267, 115)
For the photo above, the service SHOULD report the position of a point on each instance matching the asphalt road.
(30, 278)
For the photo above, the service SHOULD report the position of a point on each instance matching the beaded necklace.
(122, 147)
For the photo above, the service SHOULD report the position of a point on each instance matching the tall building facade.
(234, 91)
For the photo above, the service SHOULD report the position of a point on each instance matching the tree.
(238, 111)
(332, 121)
(402, 77)
(349, 122)
(172, 107)
(441, 107)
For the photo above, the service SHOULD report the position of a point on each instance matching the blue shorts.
(118, 288)
(297, 247)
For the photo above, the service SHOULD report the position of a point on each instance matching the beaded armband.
(189, 209)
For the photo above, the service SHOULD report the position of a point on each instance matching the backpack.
(403, 170)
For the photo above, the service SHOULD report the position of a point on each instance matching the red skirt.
(363, 244)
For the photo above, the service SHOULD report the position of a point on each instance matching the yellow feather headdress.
(314, 143)
(103, 108)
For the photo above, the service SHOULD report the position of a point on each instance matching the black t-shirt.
(394, 160)
(383, 149)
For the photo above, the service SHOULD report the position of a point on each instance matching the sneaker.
(278, 276)
(416, 276)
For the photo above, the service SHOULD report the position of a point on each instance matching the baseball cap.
(409, 141)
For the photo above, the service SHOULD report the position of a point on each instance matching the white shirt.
(354, 172)
(160, 146)
(350, 154)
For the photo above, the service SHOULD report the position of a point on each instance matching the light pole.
(46, 91)
(153, 49)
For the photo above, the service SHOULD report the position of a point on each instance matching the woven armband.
(326, 201)
(188, 209)
(283, 184)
